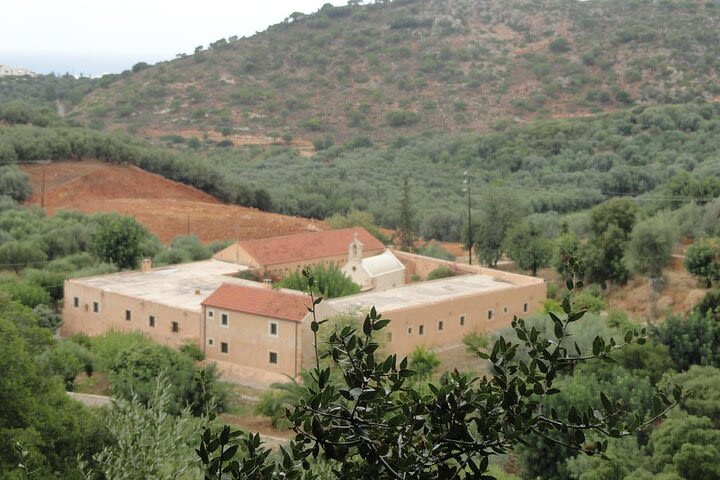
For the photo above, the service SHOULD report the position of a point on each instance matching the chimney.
(197, 291)
(267, 283)
(146, 265)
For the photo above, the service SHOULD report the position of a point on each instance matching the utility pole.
(466, 182)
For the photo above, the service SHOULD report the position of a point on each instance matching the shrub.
(331, 282)
(402, 118)
(560, 45)
(435, 250)
(423, 362)
(441, 272)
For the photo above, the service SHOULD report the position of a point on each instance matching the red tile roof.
(259, 301)
(308, 246)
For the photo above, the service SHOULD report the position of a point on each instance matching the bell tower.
(355, 253)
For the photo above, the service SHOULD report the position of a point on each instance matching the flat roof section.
(174, 286)
(421, 293)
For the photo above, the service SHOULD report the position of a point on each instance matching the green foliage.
(704, 382)
(617, 212)
(183, 249)
(566, 246)
(14, 183)
(402, 118)
(67, 360)
(650, 247)
(604, 257)
(435, 250)
(423, 362)
(407, 227)
(702, 259)
(29, 294)
(476, 341)
(357, 218)
(687, 445)
(149, 441)
(134, 370)
(441, 272)
(560, 45)
(500, 211)
(36, 412)
(376, 424)
(117, 240)
(527, 247)
(694, 340)
(331, 282)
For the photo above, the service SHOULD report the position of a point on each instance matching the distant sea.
(76, 65)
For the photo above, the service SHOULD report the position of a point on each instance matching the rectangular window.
(175, 327)
(128, 315)
(273, 357)
(440, 325)
(409, 330)
(462, 320)
(490, 314)
(151, 320)
(224, 319)
(421, 329)
(96, 307)
(210, 341)
(525, 307)
(505, 310)
(273, 329)
(210, 313)
(76, 302)
(224, 347)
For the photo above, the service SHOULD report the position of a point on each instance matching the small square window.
(224, 319)
(273, 357)
(175, 327)
(76, 302)
(525, 306)
(223, 347)
(462, 320)
(505, 310)
(440, 325)
(96, 307)
(421, 329)
(151, 320)
(210, 341)
(273, 328)
(490, 314)
(128, 315)
(409, 330)
(211, 313)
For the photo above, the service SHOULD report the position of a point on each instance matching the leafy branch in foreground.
(378, 425)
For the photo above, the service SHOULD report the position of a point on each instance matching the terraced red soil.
(165, 207)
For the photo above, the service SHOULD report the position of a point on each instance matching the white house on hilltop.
(6, 71)
(379, 272)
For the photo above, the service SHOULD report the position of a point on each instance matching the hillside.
(165, 207)
(409, 66)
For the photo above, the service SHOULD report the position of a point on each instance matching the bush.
(435, 250)
(331, 282)
(402, 118)
(424, 362)
(441, 272)
(560, 45)
(476, 341)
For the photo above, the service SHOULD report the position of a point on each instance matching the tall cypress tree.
(407, 223)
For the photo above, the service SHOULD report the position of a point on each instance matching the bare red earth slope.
(165, 207)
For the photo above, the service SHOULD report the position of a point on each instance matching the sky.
(93, 37)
